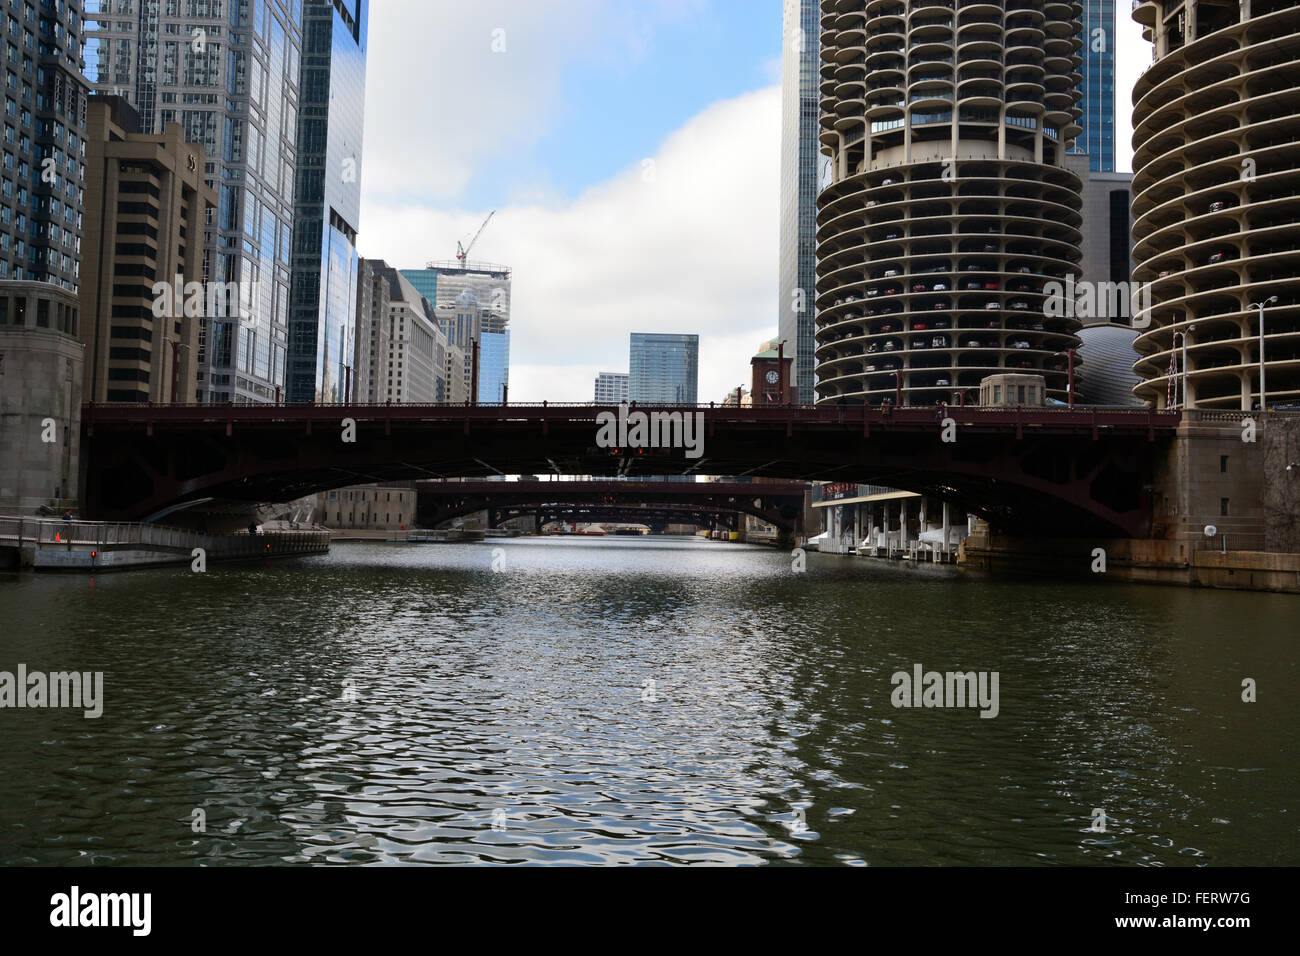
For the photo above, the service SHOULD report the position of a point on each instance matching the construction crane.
(462, 251)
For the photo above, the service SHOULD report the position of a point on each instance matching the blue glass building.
(493, 366)
(1098, 87)
(664, 368)
(327, 201)
(425, 282)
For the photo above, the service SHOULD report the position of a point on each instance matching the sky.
(631, 151)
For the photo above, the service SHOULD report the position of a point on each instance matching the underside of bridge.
(658, 520)
(652, 503)
(1031, 471)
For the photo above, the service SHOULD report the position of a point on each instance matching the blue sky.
(612, 113)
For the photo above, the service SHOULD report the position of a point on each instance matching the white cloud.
(688, 244)
(451, 83)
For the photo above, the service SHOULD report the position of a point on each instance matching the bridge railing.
(229, 413)
(104, 536)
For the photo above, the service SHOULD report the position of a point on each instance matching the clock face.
(773, 377)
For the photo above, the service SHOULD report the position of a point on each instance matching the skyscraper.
(1098, 86)
(472, 303)
(41, 205)
(1215, 120)
(443, 282)
(327, 201)
(227, 71)
(799, 105)
(372, 326)
(664, 367)
(146, 198)
(493, 366)
(949, 207)
(45, 129)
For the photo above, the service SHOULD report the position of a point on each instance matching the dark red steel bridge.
(1079, 471)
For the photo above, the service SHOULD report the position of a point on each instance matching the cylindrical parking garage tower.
(947, 205)
(1216, 181)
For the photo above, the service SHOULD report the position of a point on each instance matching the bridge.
(652, 503)
(1080, 471)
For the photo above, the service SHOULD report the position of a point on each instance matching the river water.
(642, 701)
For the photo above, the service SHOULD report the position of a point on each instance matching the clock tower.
(771, 383)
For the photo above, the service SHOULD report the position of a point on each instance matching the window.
(1223, 507)
(1223, 464)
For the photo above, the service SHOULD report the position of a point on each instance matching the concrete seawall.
(1133, 560)
(86, 546)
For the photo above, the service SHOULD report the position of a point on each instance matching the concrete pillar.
(945, 529)
(902, 524)
(1247, 387)
(924, 527)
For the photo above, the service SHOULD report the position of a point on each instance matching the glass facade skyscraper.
(493, 366)
(227, 71)
(664, 368)
(327, 201)
(1098, 86)
(797, 319)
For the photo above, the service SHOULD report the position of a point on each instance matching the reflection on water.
(641, 701)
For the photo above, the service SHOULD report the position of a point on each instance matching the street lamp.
(780, 368)
(1263, 401)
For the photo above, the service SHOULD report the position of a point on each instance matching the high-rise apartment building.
(147, 203)
(1215, 174)
(611, 388)
(664, 367)
(227, 71)
(327, 201)
(1097, 136)
(44, 144)
(949, 205)
(797, 321)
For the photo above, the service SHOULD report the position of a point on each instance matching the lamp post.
(1263, 400)
(780, 371)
